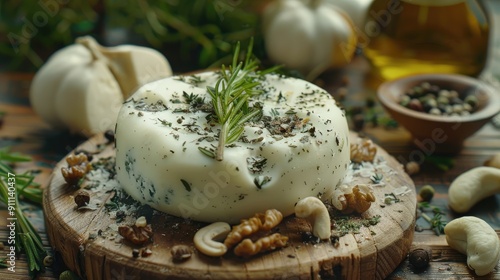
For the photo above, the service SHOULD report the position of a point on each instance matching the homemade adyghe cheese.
(299, 148)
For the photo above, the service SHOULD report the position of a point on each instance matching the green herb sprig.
(377, 178)
(27, 239)
(230, 99)
(437, 222)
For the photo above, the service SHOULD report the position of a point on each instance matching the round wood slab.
(90, 246)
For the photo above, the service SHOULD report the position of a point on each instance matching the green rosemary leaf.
(230, 98)
(186, 185)
(248, 117)
(206, 152)
(7, 156)
(234, 135)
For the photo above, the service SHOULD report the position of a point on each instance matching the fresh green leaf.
(27, 239)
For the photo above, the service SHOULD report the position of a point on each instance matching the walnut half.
(261, 221)
(356, 199)
(248, 248)
(78, 166)
(135, 234)
(363, 151)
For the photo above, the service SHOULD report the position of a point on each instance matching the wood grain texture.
(373, 253)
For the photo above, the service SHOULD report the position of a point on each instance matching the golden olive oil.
(403, 37)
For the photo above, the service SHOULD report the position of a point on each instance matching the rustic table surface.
(23, 131)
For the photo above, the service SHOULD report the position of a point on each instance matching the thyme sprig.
(27, 239)
(377, 178)
(437, 222)
(230, 99)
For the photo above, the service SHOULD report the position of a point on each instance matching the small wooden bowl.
(440, 134)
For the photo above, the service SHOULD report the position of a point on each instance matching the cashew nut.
(204, 239)
(473, 186)
(313, 209)
(478, 240)
(494, 161)
(338, 199)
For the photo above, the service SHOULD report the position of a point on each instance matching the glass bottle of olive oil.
(404, 37)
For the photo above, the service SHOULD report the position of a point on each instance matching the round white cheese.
(299, 148)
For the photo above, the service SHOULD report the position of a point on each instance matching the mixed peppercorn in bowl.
(440, 111)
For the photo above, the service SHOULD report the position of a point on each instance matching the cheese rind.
(299, 148)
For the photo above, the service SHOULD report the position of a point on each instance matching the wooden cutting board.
(89, 245)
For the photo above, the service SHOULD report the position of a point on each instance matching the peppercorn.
(48, 261)
(109, 135)
(426, 193)
(358, 121)
(181, 253)
(435, 111)
(370, 103)
(467, 107)
(453, 94)
(444, 93)
(308, 237)
(335, 240)
(419, 258)
(436, 101)
(471, 100)
(135, 253)
(82, 198)
(405, 100)
(412, 167)
(425, 85)
(416, 105)
(443, 100)
(68, 275)
(120, 215)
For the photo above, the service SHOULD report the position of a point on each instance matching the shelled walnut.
(363, 151)
(353, 199)
(136, 235)
(261, 221)
(248, 248)
(78, 166)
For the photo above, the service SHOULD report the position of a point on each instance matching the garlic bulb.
(310, 36)
(82, 86)
(356, 9)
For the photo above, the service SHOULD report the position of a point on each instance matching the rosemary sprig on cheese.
(230, 100)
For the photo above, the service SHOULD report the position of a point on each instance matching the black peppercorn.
(426, 193)
(419, 258)
(120, 215)
(433, 100)
(358, 121)
(109, 135)
(135, 253)
(181, 253)
(308, 237)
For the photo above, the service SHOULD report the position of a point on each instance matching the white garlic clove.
(89, 99)
(44, 86)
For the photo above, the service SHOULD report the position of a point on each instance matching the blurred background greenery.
(192, 34)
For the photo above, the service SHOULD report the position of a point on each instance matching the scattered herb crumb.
(186, 185)
(349, 224)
